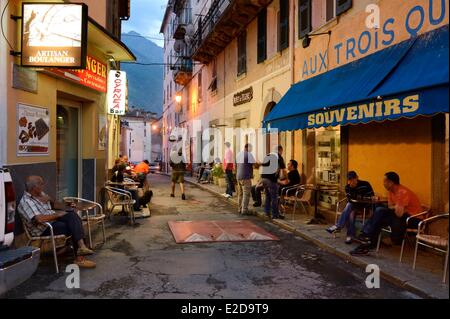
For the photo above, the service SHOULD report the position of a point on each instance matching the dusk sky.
(146, 18)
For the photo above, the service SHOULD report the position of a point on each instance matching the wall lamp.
(307, 38)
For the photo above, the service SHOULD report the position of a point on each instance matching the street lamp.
(178, 98)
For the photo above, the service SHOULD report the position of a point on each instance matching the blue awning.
(404, 80)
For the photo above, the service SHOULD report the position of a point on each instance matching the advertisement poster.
(54, 35)
(33, 127)
(101, 132)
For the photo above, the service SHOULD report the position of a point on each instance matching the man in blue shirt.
(245, 163)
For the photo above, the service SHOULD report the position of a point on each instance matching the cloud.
(146, 18)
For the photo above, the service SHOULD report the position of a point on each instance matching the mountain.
(145, 83)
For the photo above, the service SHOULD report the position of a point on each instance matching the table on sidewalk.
(318, 217)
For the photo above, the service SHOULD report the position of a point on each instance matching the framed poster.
(102, 132)
(33, 127)
(54, 35)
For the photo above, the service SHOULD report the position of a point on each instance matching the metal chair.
(58, 241)
(410, 229)
(340, 206)
(284, 198)
(303, 196)
(435, 242)
(120, 197)
(89, 219)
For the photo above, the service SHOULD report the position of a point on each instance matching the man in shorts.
(178, 169)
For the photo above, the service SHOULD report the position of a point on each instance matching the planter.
(222, 182)
(216, 180)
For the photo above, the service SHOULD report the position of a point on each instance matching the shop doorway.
(68, 161)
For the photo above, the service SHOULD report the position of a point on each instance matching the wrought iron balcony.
(181, 23)
(223, 22)
(182, 70)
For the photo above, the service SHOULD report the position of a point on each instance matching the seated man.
(293, 177)
(354, 189)
(36, 209)
(256, 194)
(118, 177)
(141, 171)
(402, 203)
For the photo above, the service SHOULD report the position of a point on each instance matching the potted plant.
(217, 173)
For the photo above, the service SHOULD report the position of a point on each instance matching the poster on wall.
(54, 35)
(33, 127)
(101, 132)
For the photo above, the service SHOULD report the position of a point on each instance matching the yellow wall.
(403, 146)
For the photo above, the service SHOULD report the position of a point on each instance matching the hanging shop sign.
(93, 76)
(54, 35)
(117, 86)
(33, 127)
(243, 97)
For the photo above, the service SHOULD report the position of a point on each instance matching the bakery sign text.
(117, 90)
(243, 97)
(54, 35)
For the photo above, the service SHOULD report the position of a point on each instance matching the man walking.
(178, 166)
(228, 164)
(244, 175)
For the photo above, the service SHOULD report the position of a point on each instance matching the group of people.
(122, 169)
(401, 204)
(275, 176)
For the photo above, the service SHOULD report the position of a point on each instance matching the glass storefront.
(328, 164)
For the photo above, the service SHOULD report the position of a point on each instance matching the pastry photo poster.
(33, 127)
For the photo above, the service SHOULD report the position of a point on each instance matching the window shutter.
(284, 25)
(304, 18)
(262, 35)
(242, 53)
(200, 87)
(342, 6)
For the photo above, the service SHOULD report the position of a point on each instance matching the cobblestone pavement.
(145, 262)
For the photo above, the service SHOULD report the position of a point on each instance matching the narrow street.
(145, 262)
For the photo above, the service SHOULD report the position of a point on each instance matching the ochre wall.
(403, 146)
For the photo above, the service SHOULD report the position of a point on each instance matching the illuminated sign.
(54, 35)
(117, 85)
(95, 75)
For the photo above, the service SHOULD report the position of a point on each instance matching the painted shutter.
(304, 18)
(284, 25)
(262, 35)
(342, 6)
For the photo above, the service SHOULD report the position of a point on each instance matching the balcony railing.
(182, 70)
(181, 22)
(223, 22)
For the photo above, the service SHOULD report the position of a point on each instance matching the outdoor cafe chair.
(410, 230)
(55, 241)
(437, 242)
(285, 198)
(97, 218)
(303, 196)
(120, 197)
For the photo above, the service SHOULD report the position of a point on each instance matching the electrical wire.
(1, 25)
(153, 64)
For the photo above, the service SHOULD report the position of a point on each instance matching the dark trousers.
(70, 225)
(200, 174)
(230, 182)
(256, 194)
(383, 217)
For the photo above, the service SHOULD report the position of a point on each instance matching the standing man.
(244, 175)
(228, 164)
(272, 165)
(402, 203)
(178, 166)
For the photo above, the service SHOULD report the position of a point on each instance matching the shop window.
(262, 36)
(283, 25)
(242, 53)
(328, 163)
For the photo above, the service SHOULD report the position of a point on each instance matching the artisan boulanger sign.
(117, 86)
(364, 112)
(243, 97)
(54, 35)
